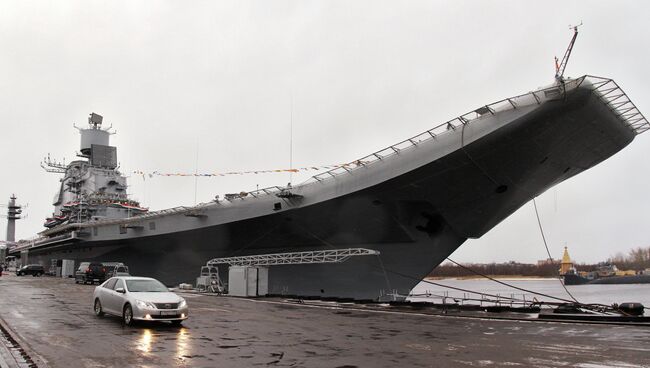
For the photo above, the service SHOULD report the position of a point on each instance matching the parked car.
(116, 269)
(139, 299)
(35, 270)
(90, 272)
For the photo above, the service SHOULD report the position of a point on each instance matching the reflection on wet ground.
(153, 339)
(54, 317)
(144, 342)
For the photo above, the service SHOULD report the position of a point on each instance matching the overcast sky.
(215, 80)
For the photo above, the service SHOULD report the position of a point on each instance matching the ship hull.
(414, 219)
(571, 279)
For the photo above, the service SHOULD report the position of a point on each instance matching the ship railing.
(269, 190)
(152, 214)
(618, 102)
(606, 89)
(512, 300)
(127, 220)
(29, 242)
(35, 241)
(534, 97)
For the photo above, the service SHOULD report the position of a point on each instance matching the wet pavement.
(54, 322)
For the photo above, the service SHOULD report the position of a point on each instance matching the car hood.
(157, 297)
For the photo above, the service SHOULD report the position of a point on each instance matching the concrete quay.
(52, 324)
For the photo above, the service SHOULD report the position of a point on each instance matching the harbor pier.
(49, 322)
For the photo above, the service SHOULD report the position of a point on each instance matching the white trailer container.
(248, 281)
(67, 268)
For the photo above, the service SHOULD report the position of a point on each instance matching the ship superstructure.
(91, 189)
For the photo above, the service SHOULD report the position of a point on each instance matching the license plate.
(168, 313)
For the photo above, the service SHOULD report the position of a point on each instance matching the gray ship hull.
(422, 209)
(573, 279)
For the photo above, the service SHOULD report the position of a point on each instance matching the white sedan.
(139, 298)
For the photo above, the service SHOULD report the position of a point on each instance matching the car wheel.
(127, 315)
(98, 308)
(34, 274)
(39, 274)
(177, 322)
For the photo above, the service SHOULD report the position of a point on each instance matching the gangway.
(294, 258)
(248, 275)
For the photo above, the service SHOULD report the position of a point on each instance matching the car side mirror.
(121, 290)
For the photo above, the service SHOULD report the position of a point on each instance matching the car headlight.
(182, 303)
(143, 304)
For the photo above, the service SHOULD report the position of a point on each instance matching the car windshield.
(135, 286)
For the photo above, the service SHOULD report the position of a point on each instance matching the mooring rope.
(506, 284)
(541, 230)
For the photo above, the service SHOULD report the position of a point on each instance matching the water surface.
(604, 294)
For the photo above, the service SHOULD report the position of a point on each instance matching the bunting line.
(254, 172)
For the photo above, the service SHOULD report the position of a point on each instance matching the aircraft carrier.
(410, 205)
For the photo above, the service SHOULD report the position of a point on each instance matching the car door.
(108, 297)
(116, 299)
(103, 294)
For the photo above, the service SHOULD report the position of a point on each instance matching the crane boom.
(559, 68)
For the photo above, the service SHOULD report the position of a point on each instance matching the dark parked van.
(115, 269)
(90, 272)
(31, 269)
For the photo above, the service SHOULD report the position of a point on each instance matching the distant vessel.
(604, 274)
